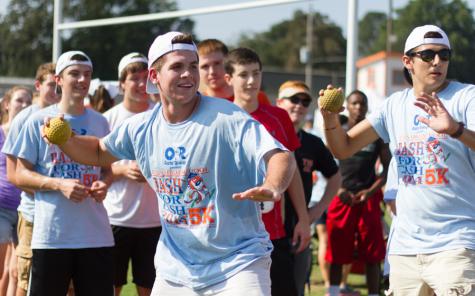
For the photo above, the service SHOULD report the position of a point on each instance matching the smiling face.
(296, 111)
(178, 78)
(74, 81)
(427, 76)
(245, 81)
(20, 99)
(134, 86)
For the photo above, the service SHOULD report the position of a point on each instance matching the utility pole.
(352, 46)
(309, 48)
(389, 29)
(57, 19)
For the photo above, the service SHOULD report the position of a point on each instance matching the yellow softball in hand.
(58, 131)
(331, 100)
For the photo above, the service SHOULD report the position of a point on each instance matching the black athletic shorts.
(282, 269)
(137, 245)
(90, 270)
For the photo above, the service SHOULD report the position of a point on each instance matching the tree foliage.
(28, 30)
(454, 17)
(280, 46)
(372, 33)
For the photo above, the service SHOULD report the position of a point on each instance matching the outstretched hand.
(259, 193)
(439, 118)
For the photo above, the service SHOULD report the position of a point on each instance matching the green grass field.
(316, 286)
(356, 281)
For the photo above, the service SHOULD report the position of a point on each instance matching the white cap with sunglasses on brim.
(418, 37)
(292, 91)
(65, 60)
(162, 45)
(134, 57)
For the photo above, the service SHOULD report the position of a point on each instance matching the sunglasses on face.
(296, 100)
(428, 55)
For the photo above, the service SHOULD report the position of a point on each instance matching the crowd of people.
(203, 184)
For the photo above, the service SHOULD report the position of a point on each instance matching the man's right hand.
(130, 171)
(73, 189)
(134, 173)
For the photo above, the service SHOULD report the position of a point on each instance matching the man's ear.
(228, 78)
(407, 62)
(37, 85)
(279, 101)
(153, 75)
(57, 79)
(121, 87)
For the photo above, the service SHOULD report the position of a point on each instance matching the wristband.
(459, 131)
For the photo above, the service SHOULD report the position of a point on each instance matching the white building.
(380, 75)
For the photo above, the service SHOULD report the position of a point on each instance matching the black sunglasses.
(296, 100)
(428, 55)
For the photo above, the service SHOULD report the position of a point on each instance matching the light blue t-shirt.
(390, 188)
(27, 202)
(390, 193)
(435, 199)
(60, 222)
(195, 166)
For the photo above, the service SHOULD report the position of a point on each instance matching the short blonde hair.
(293, 84)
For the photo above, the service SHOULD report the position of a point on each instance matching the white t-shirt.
(129, 203)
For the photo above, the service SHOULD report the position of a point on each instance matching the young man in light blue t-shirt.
(45, 86)
(72, 239)
(206, 159)
(429, 128)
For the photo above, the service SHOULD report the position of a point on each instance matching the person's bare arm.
(344, 144)
(341, 143)
(88, 150)
(385, 158)
(280, 171)
(128, 170)
(302, 234)
(331, 189)
(26, 177)
(11, 174)
(468, 138)
(391, 205)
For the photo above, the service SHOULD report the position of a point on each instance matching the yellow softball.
(58, 132)
(332, 100)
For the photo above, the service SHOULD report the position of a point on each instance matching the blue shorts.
(8, 224)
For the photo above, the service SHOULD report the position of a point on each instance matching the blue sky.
(227, 26)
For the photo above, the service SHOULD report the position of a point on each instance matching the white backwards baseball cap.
(65, 60)
(418, 37)
(162, 45)
(134, 57)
